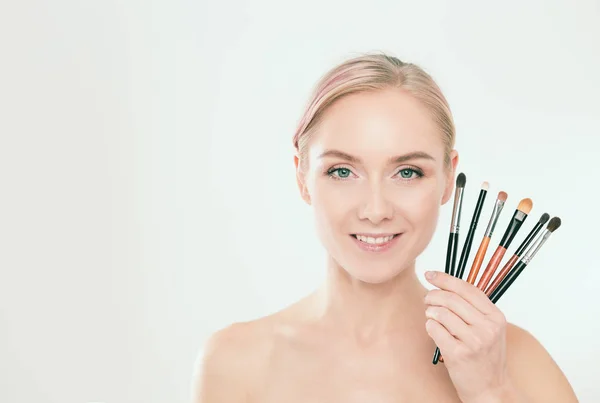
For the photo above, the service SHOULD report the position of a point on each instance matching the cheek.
(330, 202)
(421, 205)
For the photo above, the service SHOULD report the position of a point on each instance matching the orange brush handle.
(509, 265)
(478, 260)
(491, 267)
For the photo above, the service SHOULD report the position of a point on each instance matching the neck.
(368, 311)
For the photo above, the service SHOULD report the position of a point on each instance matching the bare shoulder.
(234, 360)
(534, 371)
(230, 361)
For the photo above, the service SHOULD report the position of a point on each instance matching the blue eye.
(407, 173)
(341, 172)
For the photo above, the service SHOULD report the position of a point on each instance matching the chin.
(373, 274)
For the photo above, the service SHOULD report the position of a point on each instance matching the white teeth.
(374, 241)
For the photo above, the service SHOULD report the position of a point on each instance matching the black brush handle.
(511, 231)
(529, 238)
(450, 263)
(507, 281)
(436, 356)
(451, 253)
(464, 256)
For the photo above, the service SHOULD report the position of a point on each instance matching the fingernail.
(430, 274)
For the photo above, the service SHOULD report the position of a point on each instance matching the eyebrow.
(393, 160)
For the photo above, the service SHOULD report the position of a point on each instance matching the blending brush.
(509, 265)
(500, 200)
(525, 260)
(516, 221)
(461, 181)
(464, 256)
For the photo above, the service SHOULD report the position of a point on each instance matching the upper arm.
(533, 370)
(218, 375)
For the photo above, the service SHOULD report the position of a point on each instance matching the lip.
(373, 235)
(378, 248)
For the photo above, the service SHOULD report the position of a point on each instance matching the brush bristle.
(502, 196)
(544, 218)
(485, 186)
(461, 180)
(553, 224)
(525, 205)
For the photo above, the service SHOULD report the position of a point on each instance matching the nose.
(378, 207)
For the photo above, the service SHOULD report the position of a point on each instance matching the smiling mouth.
(375, 240)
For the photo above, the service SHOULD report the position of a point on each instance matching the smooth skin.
(369, 332)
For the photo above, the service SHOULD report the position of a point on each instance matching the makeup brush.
(518, 218)
(467, 248)
(500, 200)
(461, 181)
(464, 256)
(525, 260)
(506, 282)
(502, 273)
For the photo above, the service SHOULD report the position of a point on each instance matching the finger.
(457, 304)
(453, 324)
(467, 291)
(440, 335)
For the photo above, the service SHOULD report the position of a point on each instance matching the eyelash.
(332, 170)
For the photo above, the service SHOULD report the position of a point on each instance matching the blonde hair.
(372, 72)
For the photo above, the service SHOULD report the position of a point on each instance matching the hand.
(470, 332)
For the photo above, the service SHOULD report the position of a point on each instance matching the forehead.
(378, 124)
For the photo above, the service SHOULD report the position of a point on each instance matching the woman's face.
(376, 179)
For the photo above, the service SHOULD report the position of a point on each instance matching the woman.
(375, 161)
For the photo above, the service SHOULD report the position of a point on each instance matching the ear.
(301, 180)
(450, 178)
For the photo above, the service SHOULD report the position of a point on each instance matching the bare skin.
(364, 335)
(302, 354)
(305, 354)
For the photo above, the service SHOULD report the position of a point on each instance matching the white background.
(147, 192)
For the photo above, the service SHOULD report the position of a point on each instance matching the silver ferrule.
(494, 219)
(458, 195)
(520, 215)
(537, 244)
